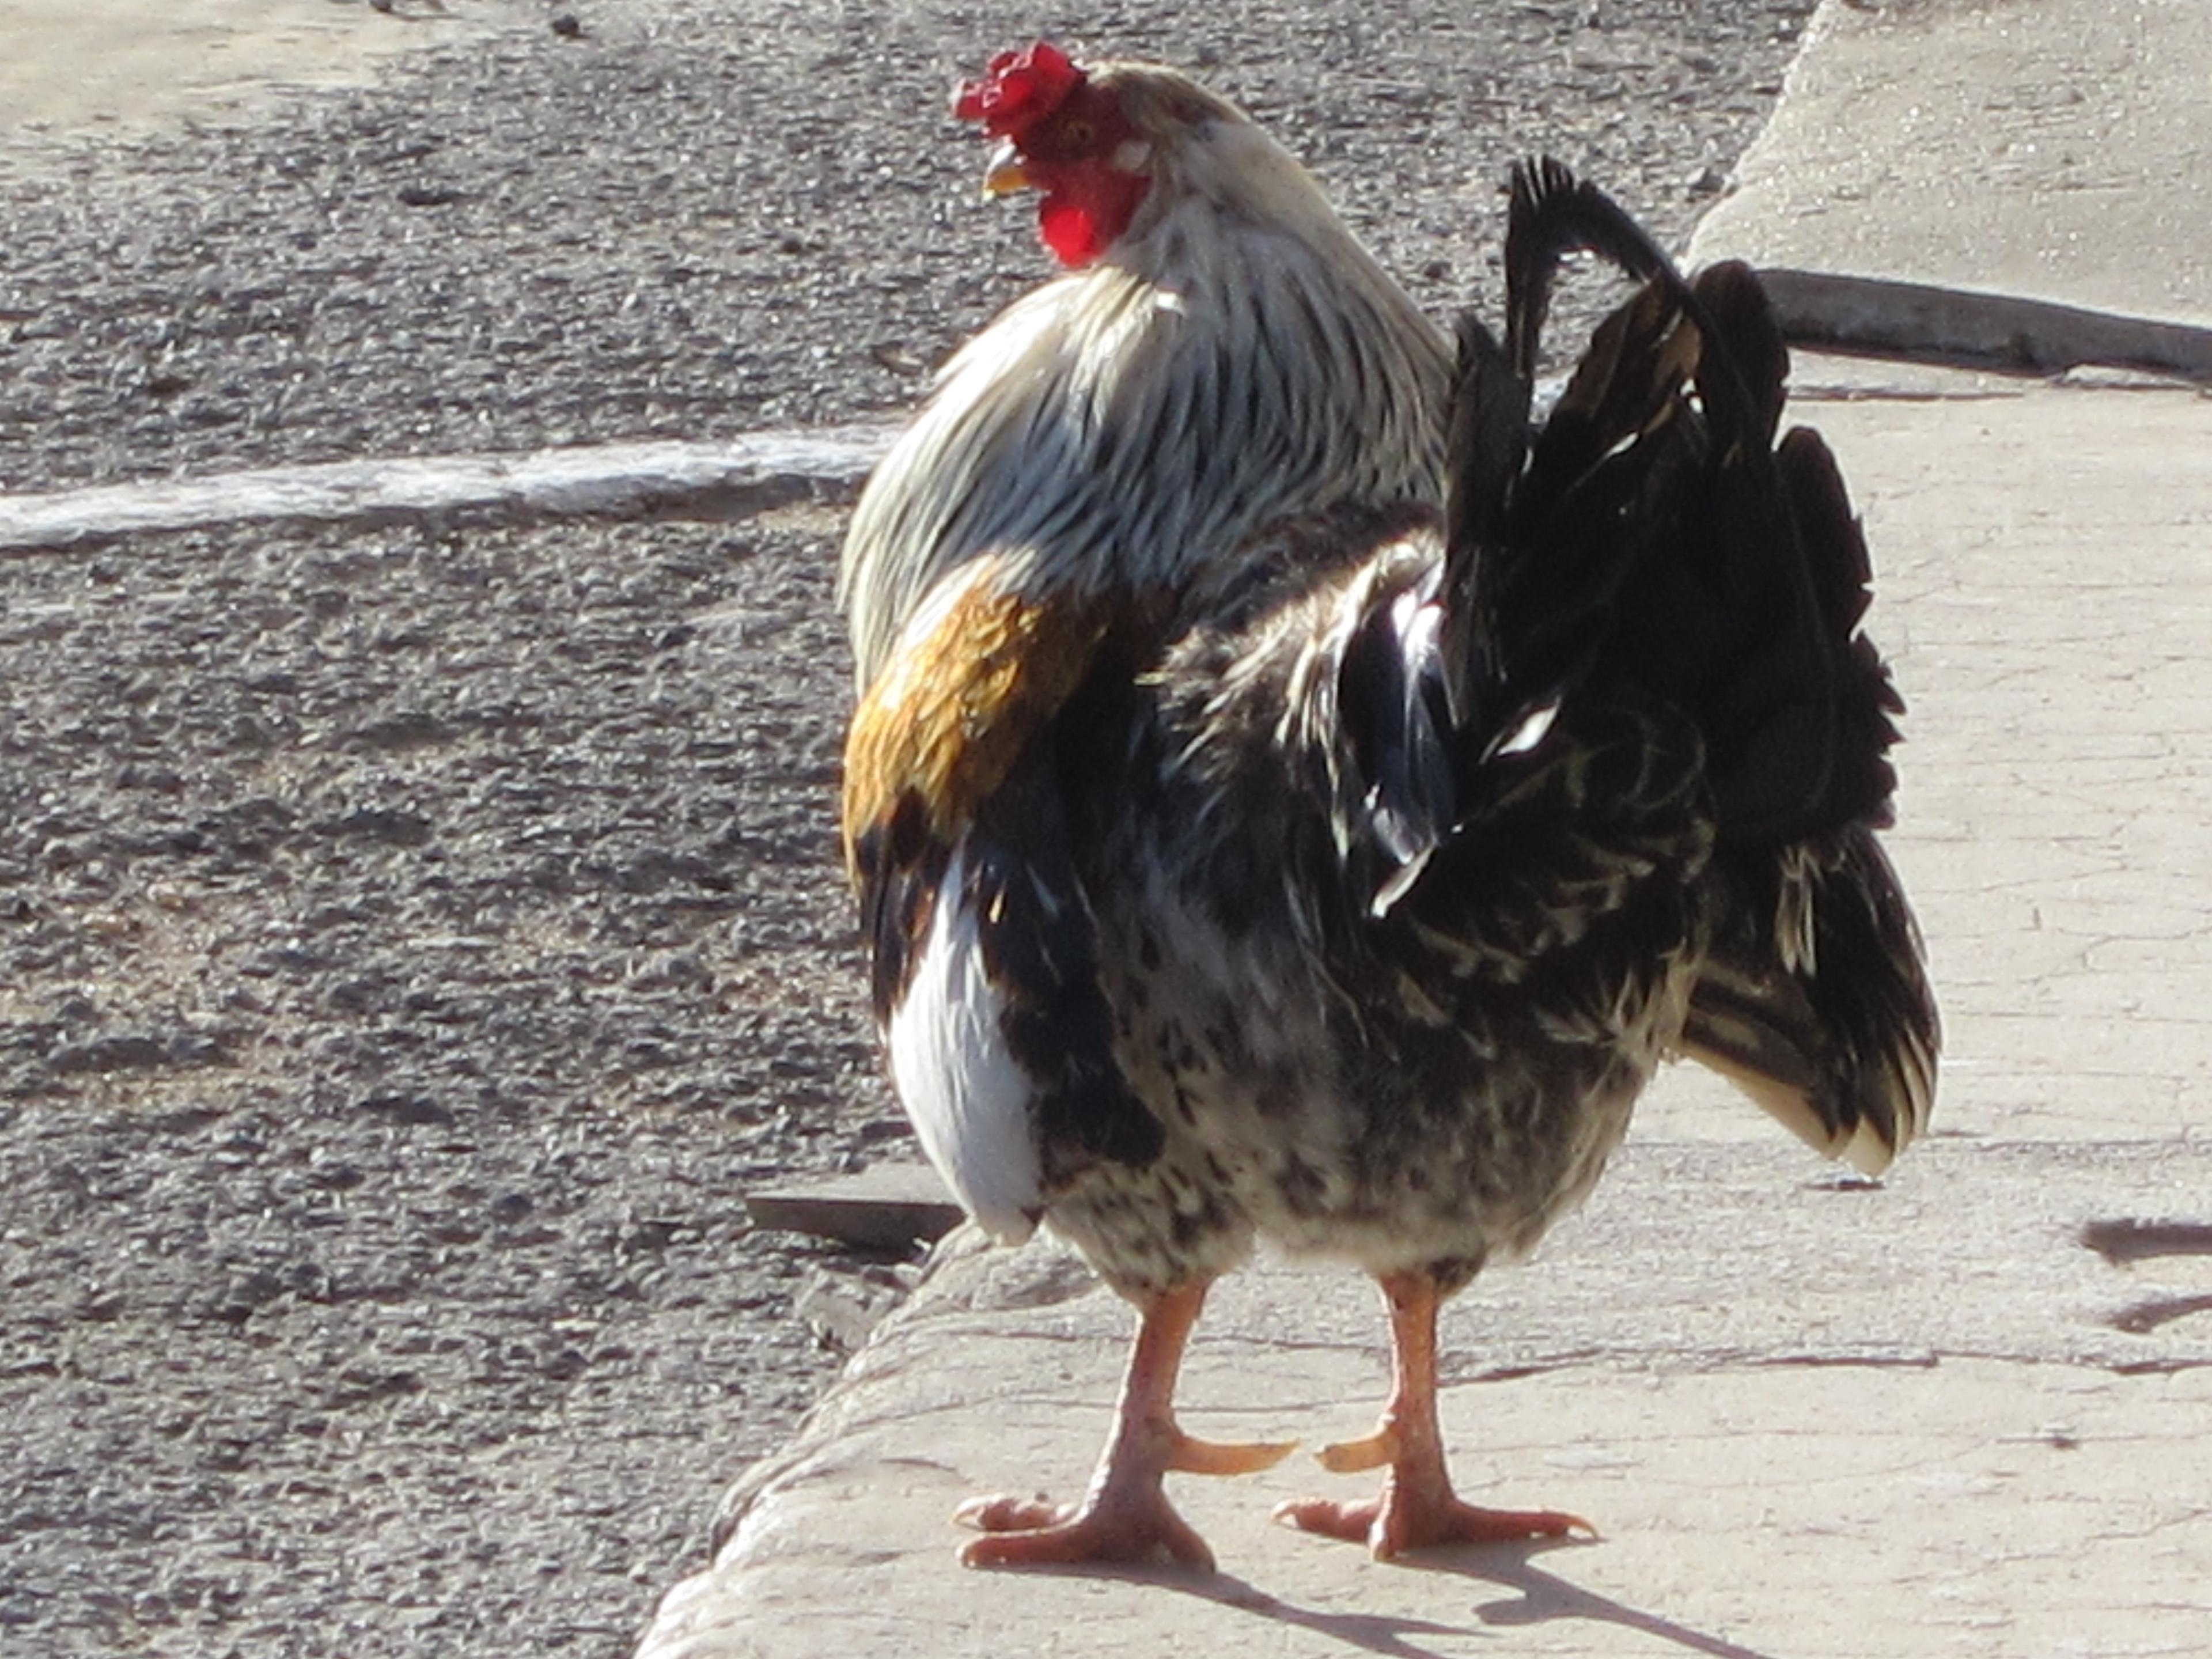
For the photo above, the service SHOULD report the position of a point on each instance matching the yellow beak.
(1003, 173)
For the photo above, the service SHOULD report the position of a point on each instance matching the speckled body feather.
(1429, 1088)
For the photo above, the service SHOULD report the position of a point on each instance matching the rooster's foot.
(1132, 1526)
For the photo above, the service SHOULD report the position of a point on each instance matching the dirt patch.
(121, 65)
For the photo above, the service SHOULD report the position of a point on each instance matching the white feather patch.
(967, 1097)
(1531, 732)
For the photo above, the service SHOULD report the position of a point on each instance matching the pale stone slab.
(1983, 1509)
(2062, 151)
(885, 1207)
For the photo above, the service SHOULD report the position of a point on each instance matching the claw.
(1003, 1512)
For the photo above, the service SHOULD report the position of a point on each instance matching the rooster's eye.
(1077, 135)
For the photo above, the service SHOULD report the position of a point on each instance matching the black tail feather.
(1487, 444)
(1654, 540)
(1815, 997)
(1551, 215)
(1736, 310)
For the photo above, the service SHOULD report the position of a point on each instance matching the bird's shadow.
(1542, 1596)
(1545, 1596)
(1385, 1633)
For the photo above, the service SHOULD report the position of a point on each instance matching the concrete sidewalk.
(1964, 1412)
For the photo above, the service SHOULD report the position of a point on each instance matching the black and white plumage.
(1338, 872)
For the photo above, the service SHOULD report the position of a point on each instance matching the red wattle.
(1086, 215)
(1070, 231)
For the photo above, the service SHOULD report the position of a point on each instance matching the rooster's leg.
(1416, 1507)
(1125, 1515)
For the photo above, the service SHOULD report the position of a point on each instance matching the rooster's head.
(1069, 134)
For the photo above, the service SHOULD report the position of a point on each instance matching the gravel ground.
(413, 942)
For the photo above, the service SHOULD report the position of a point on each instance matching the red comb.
(1018, 88)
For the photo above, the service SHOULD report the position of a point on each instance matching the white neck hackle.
(1236, 357)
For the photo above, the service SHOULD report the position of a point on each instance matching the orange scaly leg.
(1416, 1507)
(1125, 1515)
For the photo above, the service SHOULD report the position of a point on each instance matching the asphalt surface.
(413, 942)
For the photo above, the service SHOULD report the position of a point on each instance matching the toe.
(1390, 1526)
(1003, 1512)
(1470, 1525)
(1328, 1518)
(1415, 1527)
(1093, 1537)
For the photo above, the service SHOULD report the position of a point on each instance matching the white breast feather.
(967, 1097)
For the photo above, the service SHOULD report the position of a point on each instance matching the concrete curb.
(1921, 322)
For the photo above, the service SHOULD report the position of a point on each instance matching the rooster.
(1294, 798)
